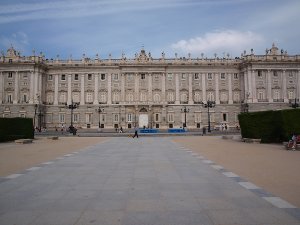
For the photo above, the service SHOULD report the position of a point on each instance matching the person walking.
(136, 134)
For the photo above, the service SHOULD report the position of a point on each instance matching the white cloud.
(231, 41)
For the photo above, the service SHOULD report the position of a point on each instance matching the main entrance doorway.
(143, 120)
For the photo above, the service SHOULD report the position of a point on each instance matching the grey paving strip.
(275, 201)
(34, 168)
(13, 176)
(125, 181)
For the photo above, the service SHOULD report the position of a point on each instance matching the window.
(142, 76)
(76, 77)
(235, 76)
(50, 77)
(63, 77)
(236, 97)
(129, 77)
(261, 95)
(130, 97)
(291, 75)
(143, 97)
(62, 97)
(291, 95)
(129, 117)
(209, 76)
(75, 117)
(210, 96)
(197, 97)
(222, 76)
(183, 76)
(22, 115)
(76, 97)
(89, 97)
(49, 98)
(24, 98)
(224, 117)
(115, 97)
(10, 60)
(103, 118)
(102, 76)
(196, 76)
(224, 97)
(102, 97)
(276, 95)
(156, 98)
(10, 75)
(197, 117)
(275, 74)
(116, 76)
(90, 76)
(170, 117)
(259, 73)
(61, 118)
(183, 97)
(116, 117)
(88, 118)
(156, 117)
(170, 97)
(9, 98)
(25, 76)
(170, 76)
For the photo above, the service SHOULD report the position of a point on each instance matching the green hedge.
(16, 128)
(270, 126)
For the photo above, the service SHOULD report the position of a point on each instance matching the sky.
(71, 28)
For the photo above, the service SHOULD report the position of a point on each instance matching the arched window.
(129, 97)
(156, 97)
(210, 96)
(103, 97)
(224, 97)
(197, 97)
(143, 97)
(183, 97)
(116, 97)
(170, 97)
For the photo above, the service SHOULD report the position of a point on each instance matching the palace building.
(144, 91)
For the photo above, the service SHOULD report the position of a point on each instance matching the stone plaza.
(126, 181)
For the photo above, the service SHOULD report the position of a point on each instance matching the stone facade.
(144, 91)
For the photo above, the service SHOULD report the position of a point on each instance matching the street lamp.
(72, 107)
(99, 110)
(245, 107)
(184, 110)
(40, 115)
(295, 104)
(209, 104)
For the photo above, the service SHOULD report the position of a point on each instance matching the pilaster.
(1, 87)
(163, 87)
(253, 76)
(36, 83)
(56, 89)
(122, 88)
(191, 101)
(82, 100)
(16, 94)
(284, 93)
(109, 88)
(217, 88)
(203, 77)
(269, 86)
(150, 87)
(31, 90)
(69, 100)
(136, 87)
(96, 91)
(250, 85)
(177, 89)
(298, 85)
(230, 101)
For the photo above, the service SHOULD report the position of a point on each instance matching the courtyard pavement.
(145, 181)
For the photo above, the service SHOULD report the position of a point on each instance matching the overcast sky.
(74, 27)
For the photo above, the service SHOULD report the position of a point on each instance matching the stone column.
(163, 87)
(16, 95)
(249, 85)
(284, 94)
(109, 88)
(31, 90)
(203, 77)
(96, 91)
(269, 86)
(56, 89)
(1, 87)
(122, 87)
(150, 87)
(217, 88)
(69, 100)
(136, 87)
(177, 101)
(191, 100)
(36, 83)
(82, 100)
(230, 101)
(246, 84)
(254, 97)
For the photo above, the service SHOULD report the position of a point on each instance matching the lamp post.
(184, 110)
(209, 104)
(295, 104)
(245, 107)
(72, 107)
(40, 115)
(99, 110)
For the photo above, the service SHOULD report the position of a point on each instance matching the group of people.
(293, 142)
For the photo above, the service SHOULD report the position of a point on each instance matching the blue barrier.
(176, 130)
(148, 130)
